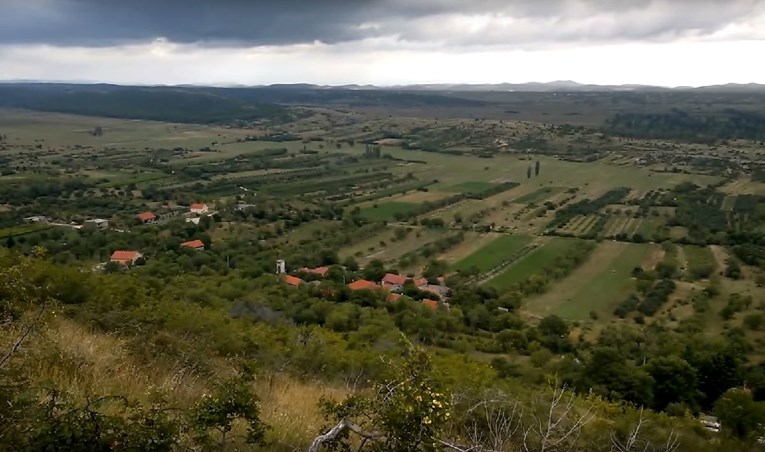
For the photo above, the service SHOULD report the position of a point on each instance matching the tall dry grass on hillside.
(85, 364)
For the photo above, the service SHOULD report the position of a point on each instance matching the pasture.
(386, 211)
(701, 262)
(493, 253)
(537, 196)
(597, 285)
(388, 246)
(531, 264)
(470, 187)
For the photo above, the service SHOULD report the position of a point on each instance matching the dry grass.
(83, 363)
(291, 408)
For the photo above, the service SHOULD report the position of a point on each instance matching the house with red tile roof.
(318, 271)
(363, 284)
(146, 217)
(392, 281)
(393, 297)
(293, 281)
(124, 257)
(194, 245)
(432, 304)
(199, 209)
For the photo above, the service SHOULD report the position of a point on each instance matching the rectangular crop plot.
(598, 285)
(532, 264)
(494, 253)
(538, 195)
(388, 210)
(470, 187)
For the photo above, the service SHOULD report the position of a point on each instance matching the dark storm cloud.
(279, 22)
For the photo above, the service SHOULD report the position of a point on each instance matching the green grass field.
(395, 190)
(538, 195)
(23, 229)
(728, 203)
(598, 285)
(470, 187)
(494, 253)
(386, 211)
(139, 178)
(651, 227)
(701, 262)
(531, 264)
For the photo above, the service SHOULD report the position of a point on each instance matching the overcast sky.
(384, 42)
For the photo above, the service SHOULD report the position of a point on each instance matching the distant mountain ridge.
(555, 86)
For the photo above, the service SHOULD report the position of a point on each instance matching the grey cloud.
(98, 23)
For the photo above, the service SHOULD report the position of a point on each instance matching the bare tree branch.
(342, 426)
(26, 332)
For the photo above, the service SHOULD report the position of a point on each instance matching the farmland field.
(701, 262)
(385, 247)
(538, 195)
(387, 210)
(597, 285)
(493, 253)
(23, 229)
(531, 264)
(470, 187)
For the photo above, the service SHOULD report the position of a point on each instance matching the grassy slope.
(531, 264)
(597, 285)
(84, 362)
(537, 196)
(699, 257)
(493, 253)
(386, 211)
(471, 187)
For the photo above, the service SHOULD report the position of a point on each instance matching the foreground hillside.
(109, 361)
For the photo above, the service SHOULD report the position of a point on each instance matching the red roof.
(394, 279)
(146, 216)
(393, 297)
(125, 256)
(320, 271)
(362, 284)
(432, 304)
(420, 282)
(292, 280)
(195, 244)
(197, 206)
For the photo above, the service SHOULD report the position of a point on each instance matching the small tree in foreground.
(233, 401)
(410, 412)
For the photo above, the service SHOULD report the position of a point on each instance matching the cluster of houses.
(391, 283)
(128, 257)
(196, 211)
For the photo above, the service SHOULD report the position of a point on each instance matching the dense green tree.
(674, 381)
(739, 415)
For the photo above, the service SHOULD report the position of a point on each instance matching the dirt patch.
(721, 255)
(654, 257)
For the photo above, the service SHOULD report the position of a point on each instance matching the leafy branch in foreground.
(409, 412)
